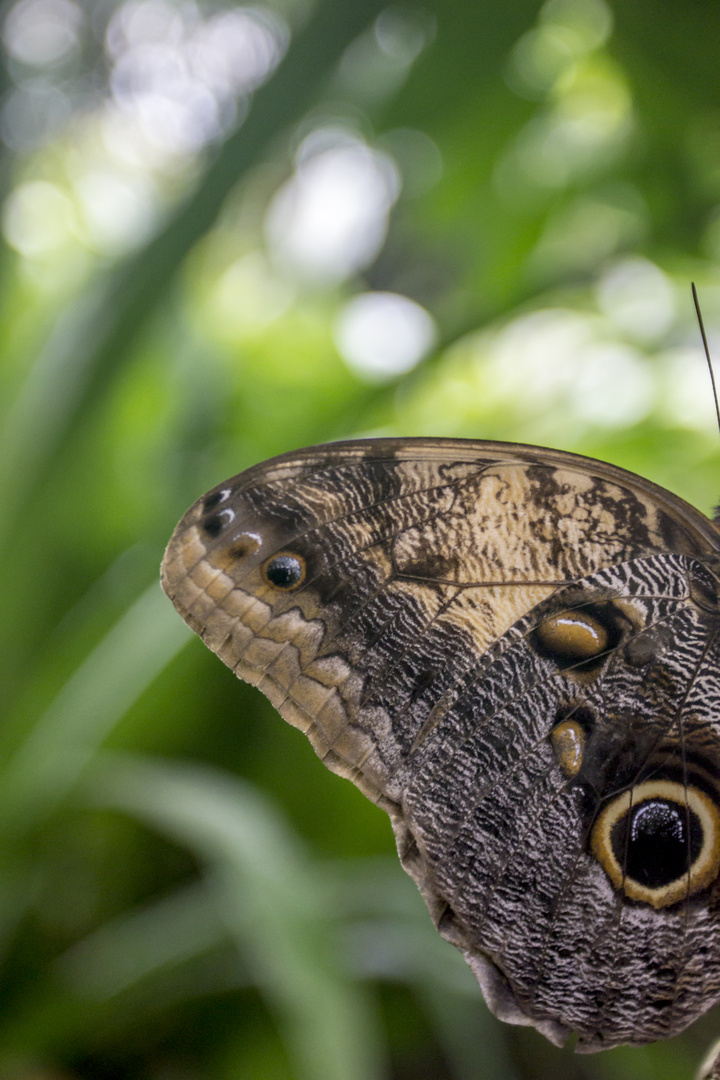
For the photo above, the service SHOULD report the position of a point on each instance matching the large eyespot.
(660, 842)
(285, 571)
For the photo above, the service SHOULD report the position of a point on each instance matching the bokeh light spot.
(37, 218)
(248, 297)
(382, 335)
(637, 297)
(40, 32)
(402, 33)
(612, 385)
(687, 391)
(118, 210)
(331, 217)
(588, 21)
(535, 357)
(184, 78)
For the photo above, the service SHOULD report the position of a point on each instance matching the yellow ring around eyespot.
(703, 870)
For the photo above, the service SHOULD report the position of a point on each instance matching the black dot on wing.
(214, 525)
(213, 500)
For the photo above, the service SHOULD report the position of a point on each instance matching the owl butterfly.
(515, 652)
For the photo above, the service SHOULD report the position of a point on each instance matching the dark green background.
(185, 893)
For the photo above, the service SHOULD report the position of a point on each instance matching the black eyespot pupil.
(284, 571)
(651, 842)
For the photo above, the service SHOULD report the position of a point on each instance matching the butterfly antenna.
(707, 350)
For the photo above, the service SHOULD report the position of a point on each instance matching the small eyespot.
(660, 842)
(243, 545)
(581, 639)
(568, 743)
(215, 525)
(285, 571)
(572, 636)
(703, 591)
(641, 649)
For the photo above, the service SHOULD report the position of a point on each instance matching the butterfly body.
(516, 653)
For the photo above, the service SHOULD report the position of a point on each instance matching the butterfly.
(515, 652)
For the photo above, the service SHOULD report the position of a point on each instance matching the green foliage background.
(185, 893)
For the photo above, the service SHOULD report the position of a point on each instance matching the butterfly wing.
(514, 652)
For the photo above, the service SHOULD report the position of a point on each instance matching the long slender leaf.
(95, 697)
(272, 906)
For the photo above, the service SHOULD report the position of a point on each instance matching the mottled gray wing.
(514, 652)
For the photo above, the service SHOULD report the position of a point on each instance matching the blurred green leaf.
(62, 742)
(271, 903)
